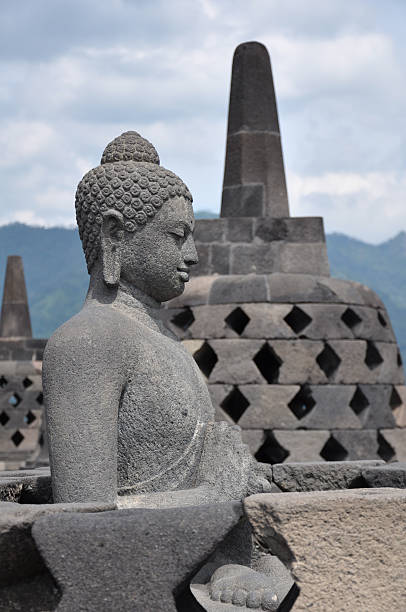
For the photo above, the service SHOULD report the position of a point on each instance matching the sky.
(75, 74)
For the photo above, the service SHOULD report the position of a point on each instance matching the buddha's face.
(156, 258)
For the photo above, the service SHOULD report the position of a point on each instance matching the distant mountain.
(57, 278)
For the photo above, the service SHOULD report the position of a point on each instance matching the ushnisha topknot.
(130, 181)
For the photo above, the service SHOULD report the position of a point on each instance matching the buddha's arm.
(82, 388)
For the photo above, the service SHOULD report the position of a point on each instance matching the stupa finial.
(15, 315)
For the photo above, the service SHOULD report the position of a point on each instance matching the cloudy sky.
(76, 73)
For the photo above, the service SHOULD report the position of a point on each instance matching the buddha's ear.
(111, 236)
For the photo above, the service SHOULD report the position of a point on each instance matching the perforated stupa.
(306, 364)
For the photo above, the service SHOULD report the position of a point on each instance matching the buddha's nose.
(190, 255)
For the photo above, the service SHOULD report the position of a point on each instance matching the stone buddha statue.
(129, 416)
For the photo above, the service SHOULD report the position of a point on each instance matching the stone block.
(267, 321)
(362, 444)
(203, 267)
(332, 408)
(325, 322)
(235, 363)
(239, 229)
(236, 289)
(210, 322)
(138, 559)
(352, 368)
(217, 394)
(253, 258)
(378, 413)
(304, 258)
(392, 475)
(397, 440)
(345, 548)
(268, 406)
(220, 258)
(209, 230)
(243, 200)
(296, 288)
(398, 405)
(298, 361)
(390, 371)
(290, 229)
(302, 445)
(321, 476)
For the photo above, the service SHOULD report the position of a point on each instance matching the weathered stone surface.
(196, 293)
(235, 363)
(236, 289)
(239, 229)
(254, 438)
(397, 440)
(334, 541)
(332, 408)
(302, 445)
(210, 230)
(304, 258)
(392, 475)
(255, 259)
(398, 405)
(267, 321)
(299, 363)
(15, 317)
(290, 229)
(268, 406)
(318, 476)
(379, 413)
(141, 559)
(220, 258)
(361, 444)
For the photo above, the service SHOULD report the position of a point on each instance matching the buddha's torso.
(163, 410)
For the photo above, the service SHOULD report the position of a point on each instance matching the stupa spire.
(15, 315)
(254, 175)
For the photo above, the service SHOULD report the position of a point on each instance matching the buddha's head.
(136, 220)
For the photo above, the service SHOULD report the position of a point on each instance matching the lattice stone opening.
(297, 319)
(29, 418)
(382, 319)
(184, 319)
(3, 381)
(235, 404)
(40, 399)
(17, 438)
(350, 318)
(333, 450)
(385, 450)
(271, 451)
(302, 403)
(328, 361)
(237, 320)
(268, 363)
(373, 358)
(27, 382)
(359, 401)
(399, 360)
(4, 418)
(14, 400)
(395, 400)
(206, 359)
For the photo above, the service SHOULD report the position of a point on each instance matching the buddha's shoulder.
(98, 328)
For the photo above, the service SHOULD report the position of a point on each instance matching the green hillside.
(57, 279)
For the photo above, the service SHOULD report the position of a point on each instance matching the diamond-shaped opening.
(399, 360)
(17, 438)
(4, 418)
(328, 361)
(359, 401)
(235, 404)
(268, 363)
(29, 418)
(3, 381)
(14, 400)
(40, 399)
(302, 403)
(237, 320)
(184, 319)
(395, 400)
(333, 450)
(297, 319)
(350, 318)
(385, 450)
(27, 382)
(206, 359)
(373, 357)
(271, 451)
(382, 319)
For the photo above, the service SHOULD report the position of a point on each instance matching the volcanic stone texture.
(345, 548)
(307, 365)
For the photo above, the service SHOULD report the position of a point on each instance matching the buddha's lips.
(184, 274)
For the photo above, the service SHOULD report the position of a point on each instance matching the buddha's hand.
(226, 464)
